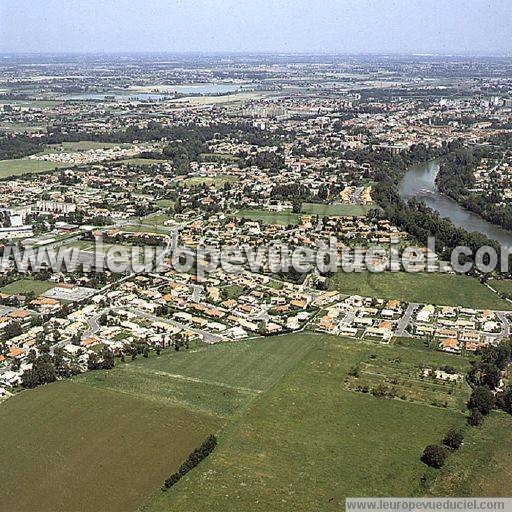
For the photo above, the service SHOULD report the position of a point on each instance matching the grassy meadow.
(23, 286)
(308, 442)
(69, 447)
(432, 288)
(292, 434)
(20, 166)
(336, 210)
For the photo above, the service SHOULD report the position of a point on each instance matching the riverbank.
(420, 182)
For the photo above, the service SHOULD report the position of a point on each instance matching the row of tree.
(198, 455)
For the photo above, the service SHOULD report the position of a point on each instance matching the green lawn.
(19, 166)
(68, 447)
(434, 288)
(219, 380)
(284, 218)
(308, 442)
(483, 465)
(27, 285)
(336, 210)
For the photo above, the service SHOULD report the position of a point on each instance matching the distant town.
(213, 152)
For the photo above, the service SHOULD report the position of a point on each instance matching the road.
(406, 320)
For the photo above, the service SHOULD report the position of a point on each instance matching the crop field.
(68, 447)
(309, 428)
(27, 285)
(20, 166)
(402, 377)
(276, 404)
(432, 288)
(220, 379)
(336, 210)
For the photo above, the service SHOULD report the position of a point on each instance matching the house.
(450, 345)
(10, 378)
(345, 330)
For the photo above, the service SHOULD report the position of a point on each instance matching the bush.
(453, 438)
(434, 456)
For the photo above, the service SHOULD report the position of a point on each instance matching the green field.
(165, 203)
(158, 219)
(68, 447)
(292, 435)
(283, 218)
(27, 285)
(433, 288)
(308, 442)
(219, 380)
(19, 166)
(31, 103)
(336, 210)
(482, 466)
(83, 145)
(502, 285)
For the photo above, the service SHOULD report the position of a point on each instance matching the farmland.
(267, 459)
(219, 380)
(432, 288)
(335, 210)
(71, 447)
(20, 166)
(406, 375)
(284, 218)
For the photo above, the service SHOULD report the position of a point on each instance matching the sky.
(474, 27)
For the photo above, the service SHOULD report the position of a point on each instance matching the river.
(420, 182)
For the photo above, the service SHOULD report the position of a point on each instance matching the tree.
(12, 330)
(475, 418)
(453, 438)
(145, 352)
(108, 359)
(93, 362)
(42, 372)
(481, 399)
(434, 456)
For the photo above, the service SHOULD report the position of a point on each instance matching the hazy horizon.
(325, 27)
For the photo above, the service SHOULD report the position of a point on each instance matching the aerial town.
(218, 154)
